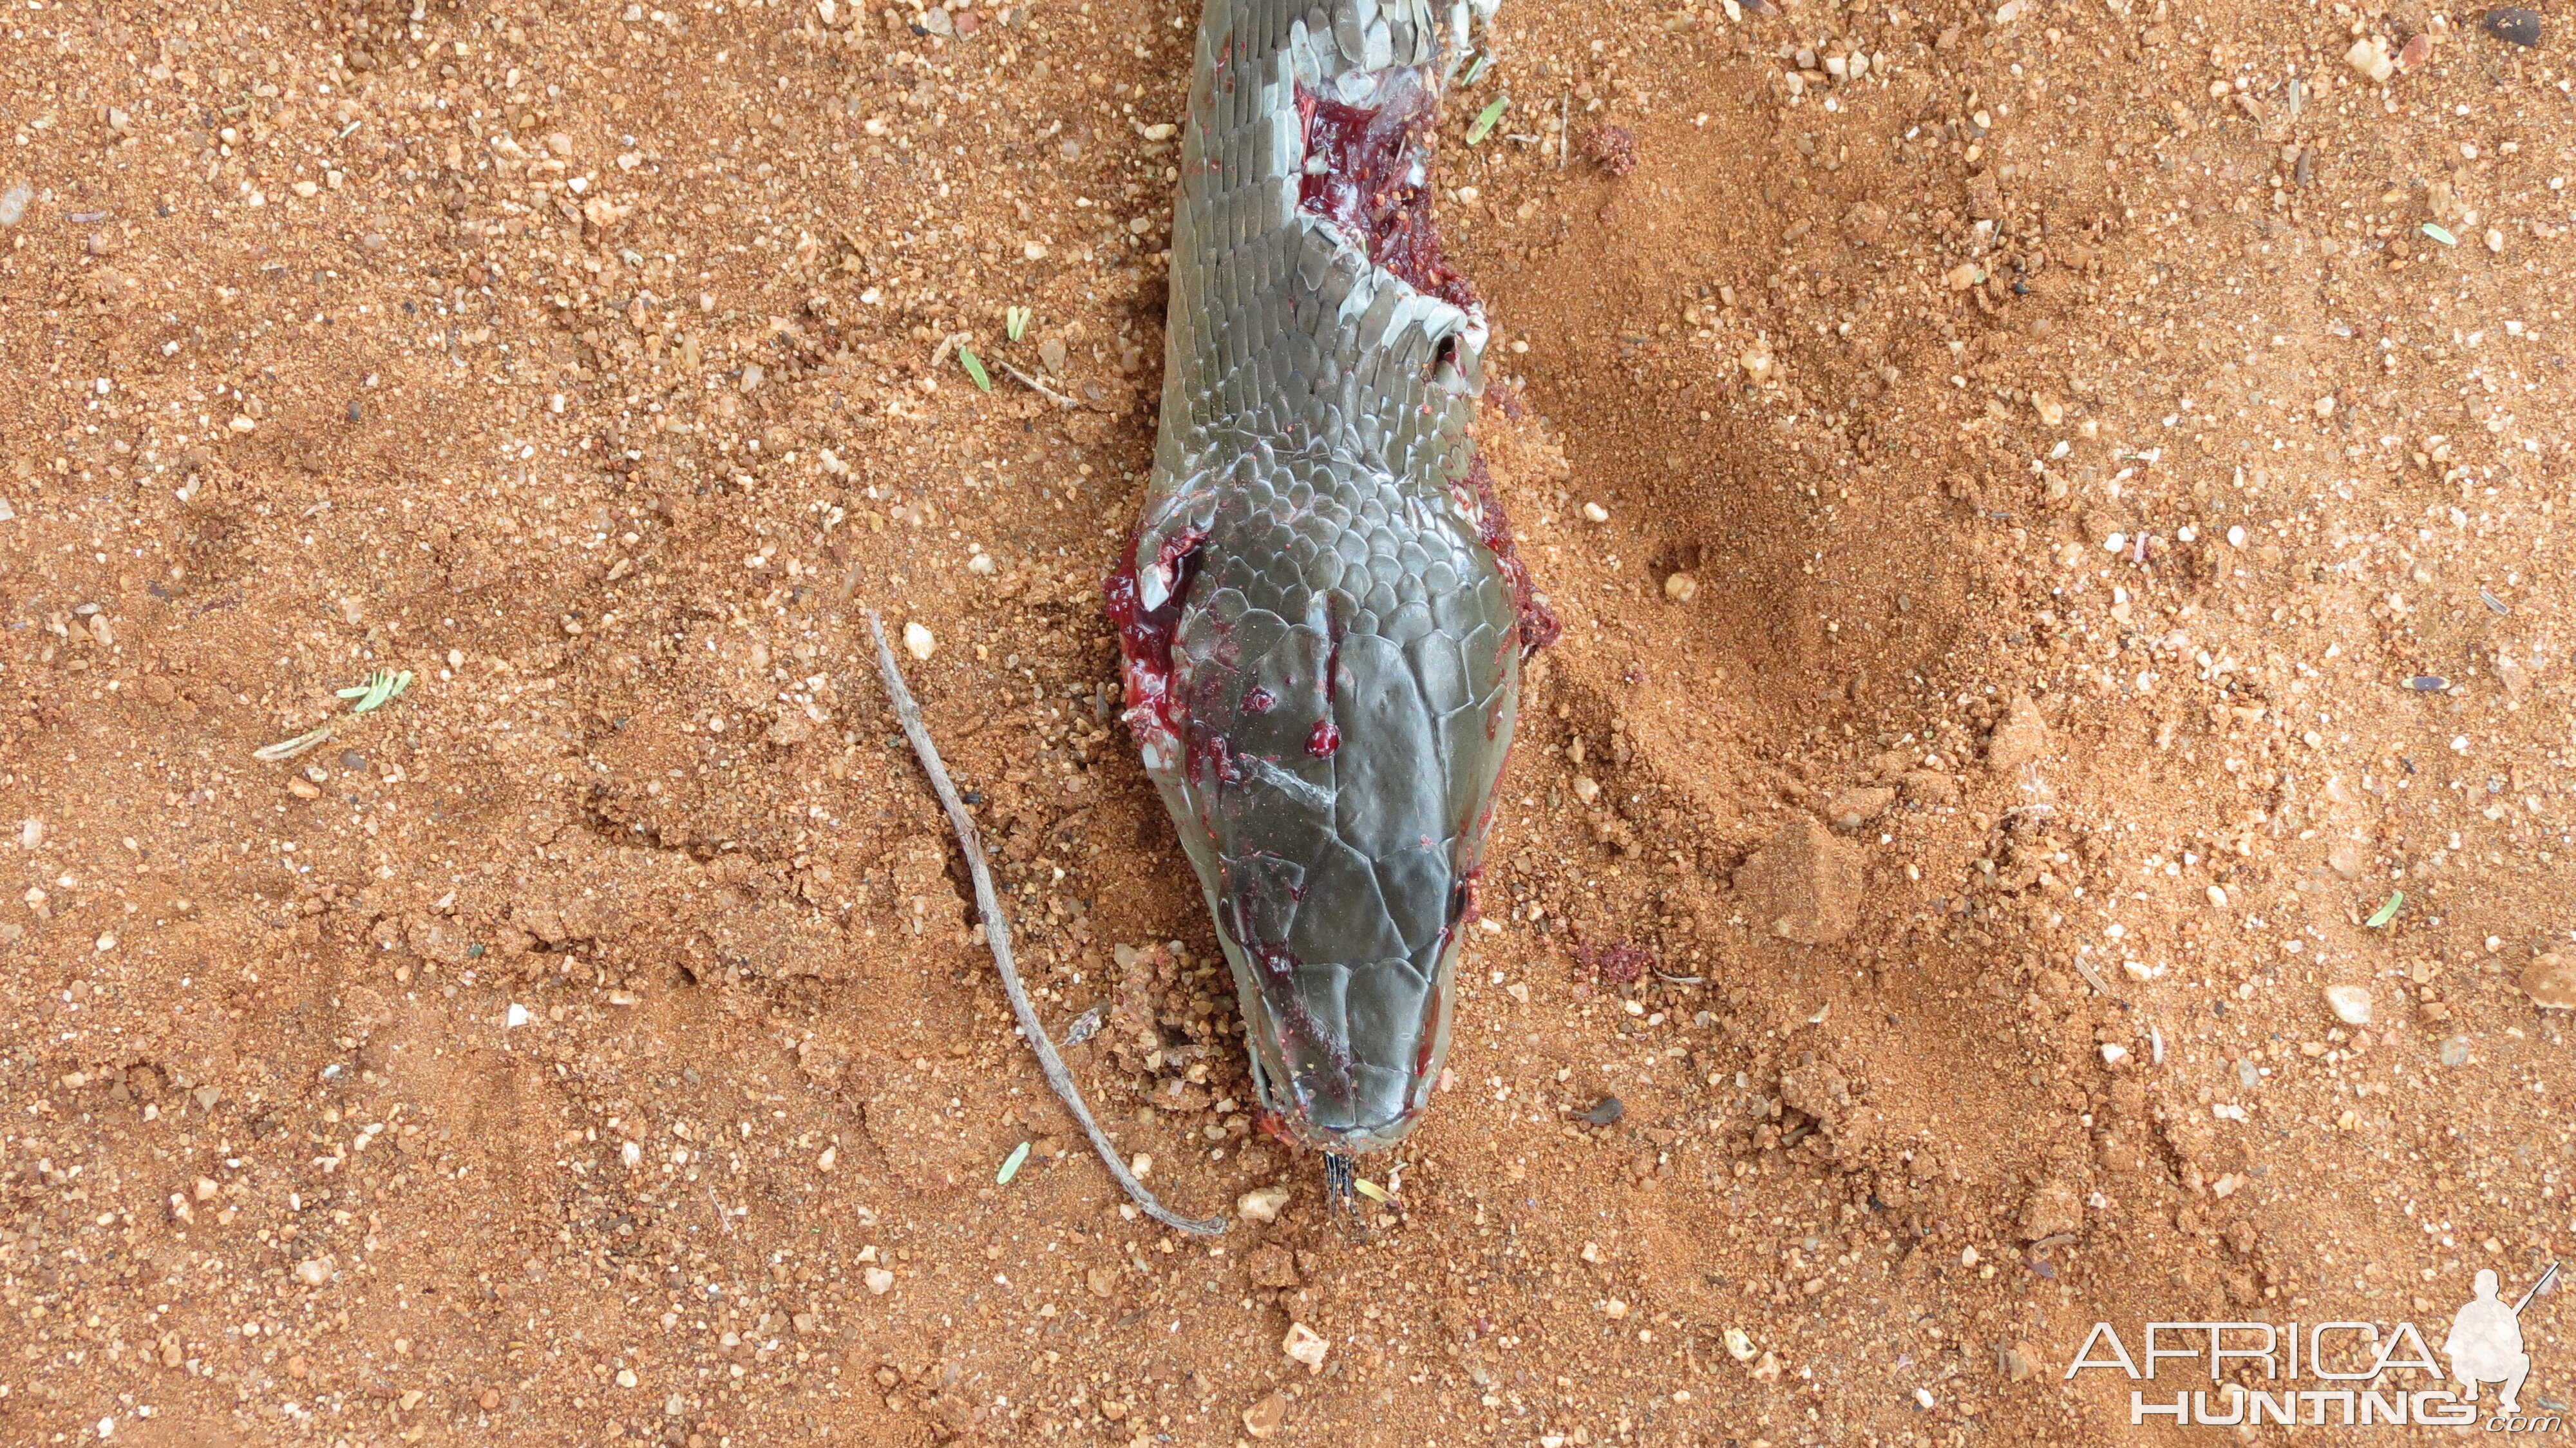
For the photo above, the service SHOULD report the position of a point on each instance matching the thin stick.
(997, 933)
(1042, 389)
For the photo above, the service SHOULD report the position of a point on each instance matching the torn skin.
(1375, 180)
(1156, 716)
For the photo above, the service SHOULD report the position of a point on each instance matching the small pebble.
(2350, 1003)
(6, 512)
(2113, 1055)
(1596, 513)
(31, 833)
(2236, 535)
(2550, 981)
(515, 1017)
(1679, 587)
(2370, 59)
(1303, 1344)
(2513, 25)
(1586, 788)
(2428, 683)
(1604, 1112)
(13, 203)
(917, 641)
(2455, 1051)
(1263, 1204)
(1738, 1345)
(879, 1280)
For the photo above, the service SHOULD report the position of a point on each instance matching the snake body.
(1321, 617)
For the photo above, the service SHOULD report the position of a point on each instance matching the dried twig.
(1041, 388)
(997, 934)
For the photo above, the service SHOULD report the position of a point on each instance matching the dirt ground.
(2057, 527)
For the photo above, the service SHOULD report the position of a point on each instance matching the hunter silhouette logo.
(2485, 1345)
(2336, 1372)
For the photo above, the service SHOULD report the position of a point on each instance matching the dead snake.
(1321, 617)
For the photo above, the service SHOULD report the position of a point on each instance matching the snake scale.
(1320, 613)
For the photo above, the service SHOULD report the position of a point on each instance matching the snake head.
(1331, 771)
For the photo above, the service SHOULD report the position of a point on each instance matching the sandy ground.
(2057, 528)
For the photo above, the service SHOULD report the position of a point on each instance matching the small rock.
(31, 833)
(626, 1378)
(1586, 788)
(1266, 1417)
(1854, 808)
(515, 1017)
(1804, 885)
(1756, 364)
(2113, 1054)
(1263, 1204)
(2350, 1003)
(918, 642)
(2417, 50)
(1928, 787)
(2020, 739)
(313, 1271)
(6, 512)
(1738, 1345)
(2370, 57)
(297, 1367)
(1595, 513)
(1612, 148)
(1303, 1344)
(2018, 1361)
(2345, 860)
(879, 1280)
(2455, 1051)
(2054, 1208)
(1604, 1112)
(2550, 981)
(2513, 25)
(1679, 587)
(13, 203)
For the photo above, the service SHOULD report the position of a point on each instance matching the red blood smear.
(1145, 635)
(1539, 627)
(1370, 155)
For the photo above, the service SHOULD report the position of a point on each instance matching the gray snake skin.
(1320, 613)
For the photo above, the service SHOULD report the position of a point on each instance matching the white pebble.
(2115, 542)
(981, 563)
(917, 641)
(13, 203)
(31, 834)
(2113, 1055)
(2236, 535)
(1263, 1204)
(515, 1017)
(2217, 898)
(1596, 513)
(2350, 1003)
(879, 1280)
(1303, 1344)
(631, 1154)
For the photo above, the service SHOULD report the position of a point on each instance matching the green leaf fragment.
(2387, 912)
(1483, 125)
(2440, 235)
(1011, 1165)
(974, 366)
(381, 688)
